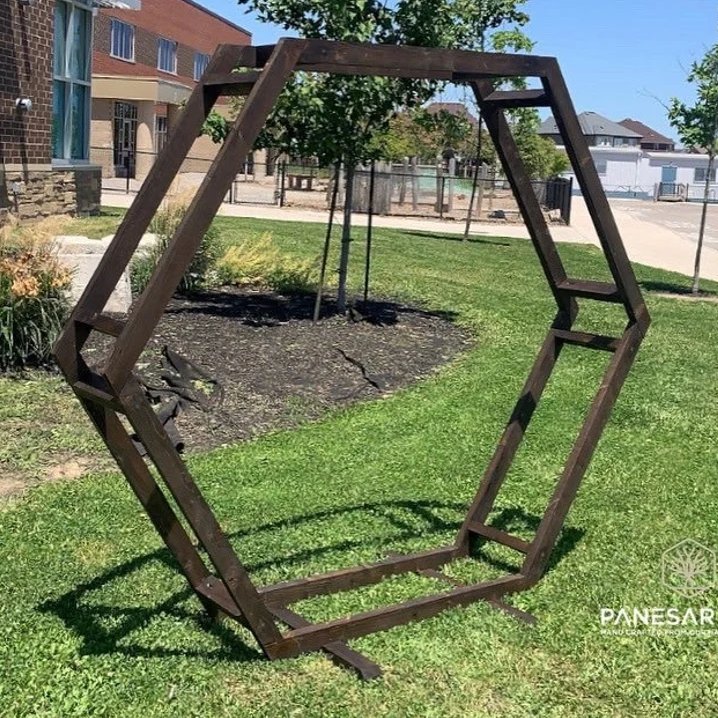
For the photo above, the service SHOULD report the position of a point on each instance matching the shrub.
(34, 301)
(258, 262)
(199, 274)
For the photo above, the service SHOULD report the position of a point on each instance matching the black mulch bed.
(276, 368)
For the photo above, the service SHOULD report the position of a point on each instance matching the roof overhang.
(635, 150)
(606, 150)
(687, 156)
(119, 4)
(151, 89)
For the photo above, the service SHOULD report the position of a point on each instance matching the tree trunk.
(334, 191)
(414, 184)
(346, 239)
(369, 229)
(452, 184)
(474, 183)
(702, 231)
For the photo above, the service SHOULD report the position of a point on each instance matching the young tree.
(540, 155)
(336, 118)
(697, 126)
(424, 135)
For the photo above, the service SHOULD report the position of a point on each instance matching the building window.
(602, 167)
(625, 141)
(699, 175)
(604, 141)
(167, 55)
(160, 132)
(122, 40)
(71, 80)
(200, 64)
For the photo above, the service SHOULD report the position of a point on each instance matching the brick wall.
(26, 41)
(193, 28)
(29, 186)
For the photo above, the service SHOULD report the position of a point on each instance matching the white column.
(145, 138)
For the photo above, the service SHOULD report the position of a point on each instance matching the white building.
(646, 175)
(627, 170)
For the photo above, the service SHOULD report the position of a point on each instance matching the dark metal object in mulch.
(187, 385)
(374, 382)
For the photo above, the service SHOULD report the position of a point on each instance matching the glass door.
(125, 139)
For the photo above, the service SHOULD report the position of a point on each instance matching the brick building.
(145, 64)
(45, 50)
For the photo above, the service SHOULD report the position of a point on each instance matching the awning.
(138, 89)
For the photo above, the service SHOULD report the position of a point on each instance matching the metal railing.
(398, 189)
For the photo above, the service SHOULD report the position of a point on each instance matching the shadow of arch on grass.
(518, 522)
(421, 518)
(683, 289)
(473, 239)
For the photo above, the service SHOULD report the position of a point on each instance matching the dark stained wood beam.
(511, 99)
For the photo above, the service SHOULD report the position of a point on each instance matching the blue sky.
(617, 55)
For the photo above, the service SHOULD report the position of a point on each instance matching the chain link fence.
(443, 190)
(434, 191)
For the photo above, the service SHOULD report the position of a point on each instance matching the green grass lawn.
(97, 226)
(95, 620)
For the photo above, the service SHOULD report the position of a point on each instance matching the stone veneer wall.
(75, 190)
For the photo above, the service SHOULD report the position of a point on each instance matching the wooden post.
(414, 184)
(341, 196)
(452, 184)
(387, 190)
(283, 188)
(402, 183)
(483, 180)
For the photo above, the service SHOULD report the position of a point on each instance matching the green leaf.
(335, 118)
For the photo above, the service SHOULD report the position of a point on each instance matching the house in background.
(45, 65)
(633, 161)
(599, 131)
(458, 109)
(615, 150)
(145, 65)
(651, 140)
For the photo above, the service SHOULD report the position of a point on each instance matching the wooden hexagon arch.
(111, 390)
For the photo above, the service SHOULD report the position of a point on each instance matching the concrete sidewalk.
(292, 214)
(649, 243)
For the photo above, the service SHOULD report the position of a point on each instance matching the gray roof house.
(599, 131)
(650, 139)
(458, 109)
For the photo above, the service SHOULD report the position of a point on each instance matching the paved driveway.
(659, 234)
(680, 217)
